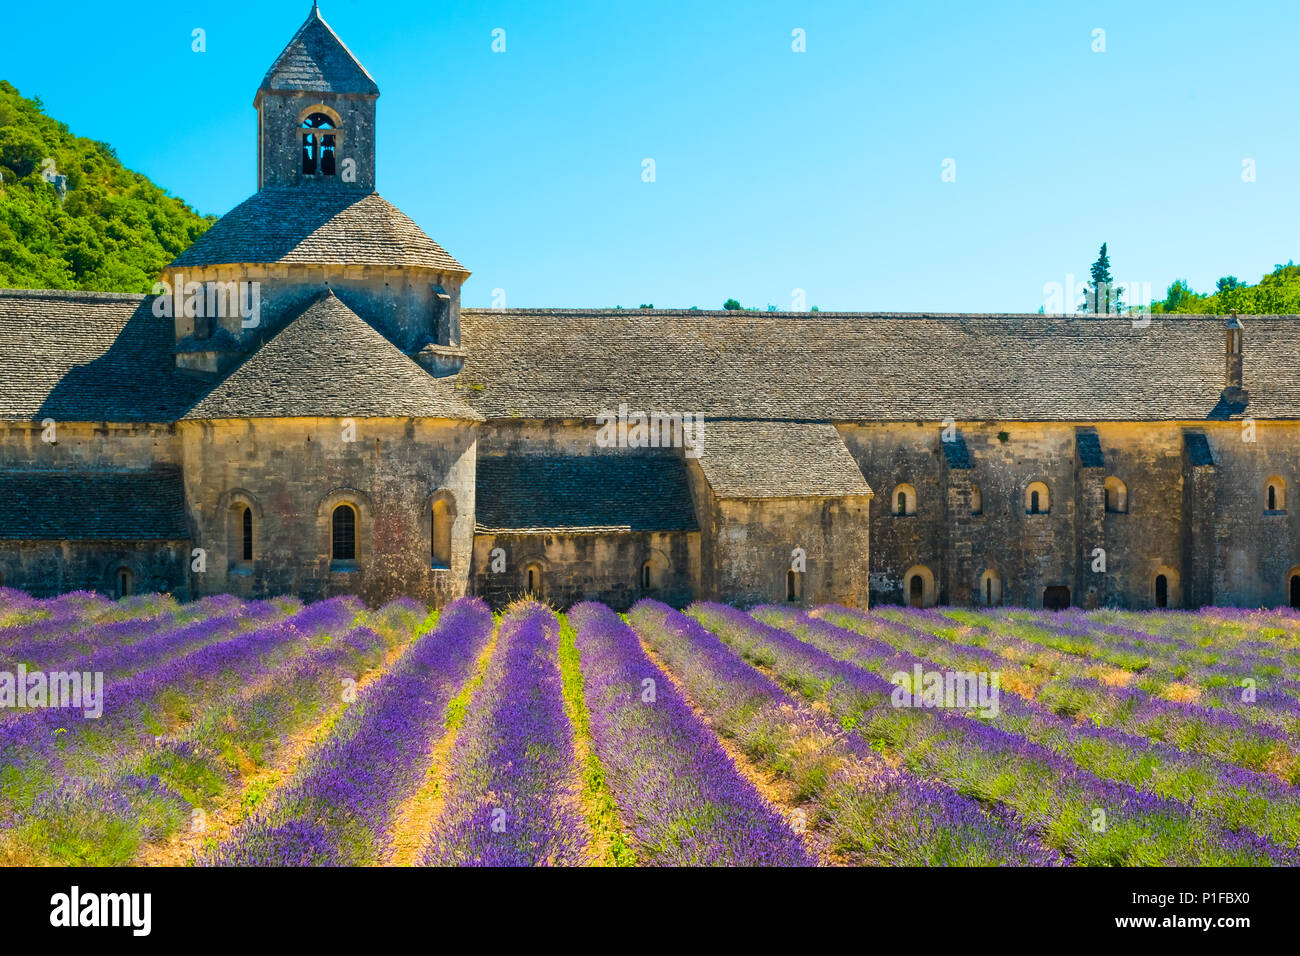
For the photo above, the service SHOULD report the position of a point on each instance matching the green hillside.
(1277, 293)
(113, 231)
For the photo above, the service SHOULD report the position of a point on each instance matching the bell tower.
(316, 115)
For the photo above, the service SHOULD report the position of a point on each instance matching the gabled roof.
(88, 357)
(1088, 443)
(93, 506)
(317, 224)
(330, 363)
(854, 367)
(1198, 449)
(316, 60)
(777, 460)
(583, 493)
(955, 452)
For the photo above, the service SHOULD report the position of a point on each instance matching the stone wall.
(1254, 550)
(756, 539)
(88, 446)
(47, 568)
(294, 472)
(1205, 529)
(588, 567)
(279, 137)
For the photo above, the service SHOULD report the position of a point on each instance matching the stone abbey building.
(358, 432)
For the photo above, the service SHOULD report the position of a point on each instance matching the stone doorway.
(916, 592)
(1056, 598)
(1295, 589)
(1162, 591)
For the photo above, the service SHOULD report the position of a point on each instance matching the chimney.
(1232, 364)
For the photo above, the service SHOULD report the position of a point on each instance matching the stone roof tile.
(317, 224)
(778, 460)
(571, 494)
(330, 363)
(88, 357)
(93, 506)
(851, 367)
(317, 61)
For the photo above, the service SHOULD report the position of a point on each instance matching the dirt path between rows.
(779, 793)
(416, 817)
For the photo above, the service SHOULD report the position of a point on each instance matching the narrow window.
(645, 576)
(793, 585)
(248, 533)
(123, 583)
(441, 534)
(1033, 502)
(533, 580)
(991, 588)
(345, 533)
(902, 503)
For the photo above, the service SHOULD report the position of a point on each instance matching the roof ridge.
(75, 294)
(1079, 319)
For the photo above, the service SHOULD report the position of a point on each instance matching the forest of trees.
(1277, 293)
(113, 231)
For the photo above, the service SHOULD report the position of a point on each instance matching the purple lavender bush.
(865, 810)
(681, 798)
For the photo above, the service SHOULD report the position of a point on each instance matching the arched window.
(124, 582)
(442, 520)
(1293, 588)
(647, 576)
(318, 145)
(976, 500)
(533, 580)
(246, 533)
(1275, 495)
(990, 589)
(1037, 500)
(904, 501)
(344, 527)
(1116, 496)
(1162, 591)
(794, 585)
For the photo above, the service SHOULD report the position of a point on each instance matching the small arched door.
(1295, 589)
(916, 591)
(1162, 591)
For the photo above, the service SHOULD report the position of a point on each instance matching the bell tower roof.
(317, 61)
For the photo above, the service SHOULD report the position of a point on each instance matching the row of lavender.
(1097, 794)
(682, 715)
(194, 698)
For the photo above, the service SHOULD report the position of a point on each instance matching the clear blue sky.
(775, 170)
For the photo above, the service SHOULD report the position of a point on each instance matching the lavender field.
(233, 733)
